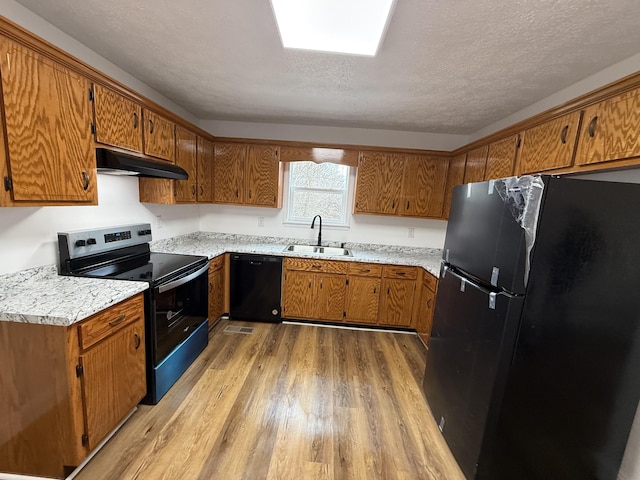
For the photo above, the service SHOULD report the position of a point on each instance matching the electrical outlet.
(159, 222)
(261, 221)
(412, 232)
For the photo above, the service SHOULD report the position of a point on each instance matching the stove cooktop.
(154, 268)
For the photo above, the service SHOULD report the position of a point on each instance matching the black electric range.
(176, 303)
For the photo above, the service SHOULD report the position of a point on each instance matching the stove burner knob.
(80, 243)
(91, 241)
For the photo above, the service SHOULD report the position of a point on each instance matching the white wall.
(37, 25)
(28, 234)
(339, 135)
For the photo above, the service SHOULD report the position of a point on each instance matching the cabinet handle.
(249, 193)
(193, 190)
(316, 266)
(592, 126)
(563, 134)
(201, 190)
(320, 284)
(309, 284)
(365, 270)
(407, 204)
(135, 119)
(85, 181)
(401, 273)
(210, 287)
(374, 289)
(429, 303)
(236, 193)
(388, 291)
(393, 204)
(150, 126)
(118, 320)
(137, 339)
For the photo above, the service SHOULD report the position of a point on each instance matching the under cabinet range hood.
(118, 163)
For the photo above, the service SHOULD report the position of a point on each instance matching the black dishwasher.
(256, 287)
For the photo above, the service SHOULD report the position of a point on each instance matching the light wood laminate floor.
(287, 402)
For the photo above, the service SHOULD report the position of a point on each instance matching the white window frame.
(347, 197)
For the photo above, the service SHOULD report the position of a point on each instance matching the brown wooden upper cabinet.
(476, 164)
(204, 156)
(118, 121)
(247, 175)
(455, 177)
(47, 113)
(186, 155)
(611, 130)
(159, 136)
(400, 184)
(500, 158)
(548, 146)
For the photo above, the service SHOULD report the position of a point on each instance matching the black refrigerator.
(533, 368)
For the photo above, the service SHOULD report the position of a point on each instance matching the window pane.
(321, 176)
(306, 204)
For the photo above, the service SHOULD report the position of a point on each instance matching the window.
(318, 189)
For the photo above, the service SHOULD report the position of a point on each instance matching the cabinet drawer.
(216, 263)
(365, 269)
(312, 265)
(429, 281)
(105, 323)
(394, 271)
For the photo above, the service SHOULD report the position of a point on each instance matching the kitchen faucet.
(320, 229)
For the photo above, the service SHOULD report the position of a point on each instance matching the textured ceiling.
(451, 66)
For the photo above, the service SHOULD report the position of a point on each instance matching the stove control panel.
(80, 243)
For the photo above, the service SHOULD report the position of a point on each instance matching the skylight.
(343, 26)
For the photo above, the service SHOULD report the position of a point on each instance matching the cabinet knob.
(592, 126)
(85, 181)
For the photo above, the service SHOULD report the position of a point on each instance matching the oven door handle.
(182, 280)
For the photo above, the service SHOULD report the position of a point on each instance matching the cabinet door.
(611, 130)
(363, 294)
(205, 170)
(159, 136)
(297, 297)
(113, 380)
(118, 121)
(51, 152)
(423, 187)
(329, 297)
(455, 177)
(262, 172)
(425, 311)
(500, 158)
(216, 292)
(476, 165)
(378, 182)
(186, 190)
(548, 146)
(228, 161)
(396, 302)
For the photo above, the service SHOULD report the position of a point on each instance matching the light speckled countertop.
(40, 295)
(214, 244)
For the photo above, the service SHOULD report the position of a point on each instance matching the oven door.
(178, 307)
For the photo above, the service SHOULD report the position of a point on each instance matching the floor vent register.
(237, 329)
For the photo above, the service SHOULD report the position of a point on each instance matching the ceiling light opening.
(354, 27)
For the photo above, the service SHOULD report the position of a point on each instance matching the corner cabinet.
(400, 184)
(75, 385)
(427, 301)
(47, 116)
(249, 175)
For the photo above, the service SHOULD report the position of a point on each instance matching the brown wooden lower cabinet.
(427, 301)
(65, 388)
(217, 274)
(396, 302)
(363, 294)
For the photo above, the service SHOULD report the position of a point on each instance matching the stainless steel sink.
(329, 251)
